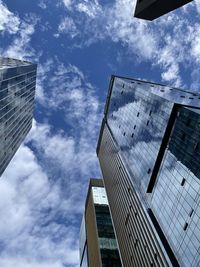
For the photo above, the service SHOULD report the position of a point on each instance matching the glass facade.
(17, 91)
(137, 120)
(98, 245)
(106, 237)
(156, 132)
(176, 197)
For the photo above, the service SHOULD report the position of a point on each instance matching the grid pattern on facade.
(176, 198)
(106, 237)
(10, 63)
(185, 140)
(17, 91)
(140, 140)
(98, 245)
(138, 241)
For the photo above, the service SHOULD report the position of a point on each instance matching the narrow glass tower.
(17, 91)
(149, 153)
(98, 245)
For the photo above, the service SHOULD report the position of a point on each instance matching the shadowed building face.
(152, 9)
(17, 92)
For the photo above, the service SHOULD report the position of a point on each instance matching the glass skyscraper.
(98, 246)
(17, 91)
(149, 154)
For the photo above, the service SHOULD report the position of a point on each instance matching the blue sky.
(77, 45)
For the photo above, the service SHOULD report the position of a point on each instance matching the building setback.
(149, 153)
(152, 9)
(98, 246)
(17, 91)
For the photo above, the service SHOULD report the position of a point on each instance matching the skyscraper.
(152, 9)
(149, 152)
(17, 91)
(98, 246)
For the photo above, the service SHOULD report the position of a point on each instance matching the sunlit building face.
(98, 245)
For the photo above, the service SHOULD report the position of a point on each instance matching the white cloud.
(20, 47)
(44, 195)
(90, 8)
(70, 94)
(68, 26)
(67, 3)
(169, 43)
(8, 21)
(27, 193)
(18, 261)
(42, 72)
(42, 4)
(196, 43)
(22, 183)
(197, 5)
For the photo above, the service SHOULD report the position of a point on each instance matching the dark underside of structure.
(152, 9)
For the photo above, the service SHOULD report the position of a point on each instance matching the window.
(127, 218)
(138, 114)
(124, 133)
(196, 147)
(183, 182)
(185, 226)
(191, 212)
(150, 112)
(135, 243)
(149, 171)
(188, 122)
(147, 123)
(132, 135)
(134, 127)
(129, 189)
(183, 136)
(136, 213)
